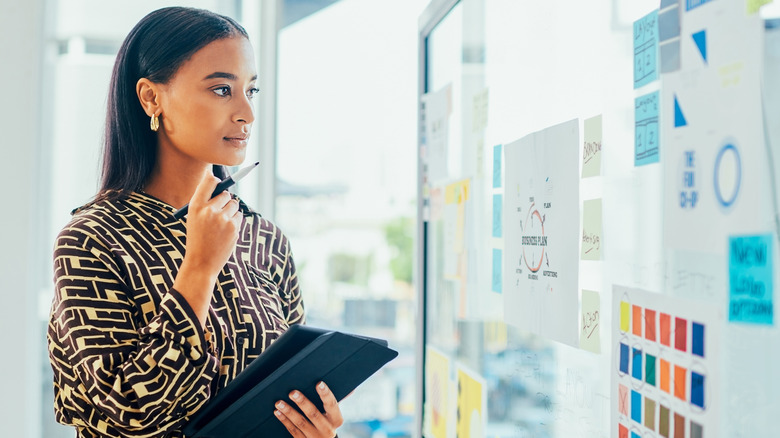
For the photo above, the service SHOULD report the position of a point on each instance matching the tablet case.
(302, 357)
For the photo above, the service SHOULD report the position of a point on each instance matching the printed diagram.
(541, 235)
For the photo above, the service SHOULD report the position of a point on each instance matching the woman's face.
(206, 109)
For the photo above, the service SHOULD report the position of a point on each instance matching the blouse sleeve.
(288, 285)
(112, 376)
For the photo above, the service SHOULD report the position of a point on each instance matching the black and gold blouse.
(129, 355)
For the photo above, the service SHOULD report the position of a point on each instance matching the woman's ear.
(149, 95)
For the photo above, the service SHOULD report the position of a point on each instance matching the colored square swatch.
(623, 358)
(636, 406)
(697, 389)
(664, 376)
(680, 334)
(636, 371)
(622, 431)
(679, 382)
(665, 323)
(697, 431)
(650, 369)
(637, 320)
(679, 426)
(650, 325)
(663, 421)
(635, 435)
(625, 316)
(697, 339)
(650, 413)
(623, 399)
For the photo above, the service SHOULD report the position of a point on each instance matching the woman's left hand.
(314, 424)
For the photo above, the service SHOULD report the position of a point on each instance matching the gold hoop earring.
(154, 123)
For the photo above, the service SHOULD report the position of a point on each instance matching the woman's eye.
(222, 91)
(251, 93)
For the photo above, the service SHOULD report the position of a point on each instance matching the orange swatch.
(679, 382)
(650, 325)
(637, 320)
(665, 329)
(664, 384)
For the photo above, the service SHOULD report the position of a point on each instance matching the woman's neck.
(174, 183)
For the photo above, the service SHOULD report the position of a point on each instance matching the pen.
(221, 187)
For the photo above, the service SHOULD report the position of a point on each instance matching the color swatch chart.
(664, 368)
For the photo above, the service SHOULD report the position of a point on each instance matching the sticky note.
(751, 289)
(649, 413)
(591, 230)
(650, 369)
(679, 382)
(697, 431)
(665, 323)
(646, 138)
(697, 339)
(624, 358)
(497, 166)
(497, 212)
(663, 368)
(636, 406)
(636, 364)
(680, 334)
(690, 4)
(646, 49)
(697, 389)
(650, 325)
(625, 316)
(496, 276)
(623, 399)
(591, 148)
(663, 421)
(637, 320)
(622, 431)
(679, 426)
(590, 329)
(754, 5)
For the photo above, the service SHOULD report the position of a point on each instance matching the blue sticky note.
(646, 49)
(697, 339)
(751, 289)
(690, 4)
(497, 208)
(636, 368)
(697, 389)
(496, 275)
(636, 406)
(497, 166)
(623, 358)
(635, 435)
(647, 140)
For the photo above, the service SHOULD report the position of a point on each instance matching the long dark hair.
(155, 49)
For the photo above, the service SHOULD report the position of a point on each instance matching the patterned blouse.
(129, 355)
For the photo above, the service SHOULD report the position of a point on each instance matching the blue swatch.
(679, 117)
(497, 166)
(496, 274)
(497, 211)
(697, 389)
(700, 38)
(697, 333)
(623, 358)
(690, 4)
(636, 406)
(636, 369)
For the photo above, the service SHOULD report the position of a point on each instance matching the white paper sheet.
(541, 221)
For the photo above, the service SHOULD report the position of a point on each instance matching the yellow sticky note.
(754, 5)
(625, 316)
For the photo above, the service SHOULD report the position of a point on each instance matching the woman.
(153, 315)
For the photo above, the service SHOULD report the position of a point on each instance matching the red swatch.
(637, 320)
(680, 334)
(665, 325)
(622, 431)
(650, 325)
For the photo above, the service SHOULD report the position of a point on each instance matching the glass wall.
(346, 186)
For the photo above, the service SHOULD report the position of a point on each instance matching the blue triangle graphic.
(700, 38)
(679, 118)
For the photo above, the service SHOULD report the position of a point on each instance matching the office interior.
(348, 170)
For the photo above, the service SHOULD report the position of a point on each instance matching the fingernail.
(295, 395)
(278, 414)
(281, 405)
(321, 386)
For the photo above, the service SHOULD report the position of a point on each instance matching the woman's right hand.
(213, 225)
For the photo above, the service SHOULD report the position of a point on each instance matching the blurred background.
(336, 137)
